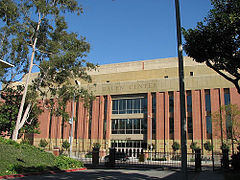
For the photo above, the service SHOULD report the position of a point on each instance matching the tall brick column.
(203, 114)
(95, 115)
(215, 108)
(196, 115)
(108, 118)
(101, 117)
(177, 121)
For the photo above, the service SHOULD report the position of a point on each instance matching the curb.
(40, 173)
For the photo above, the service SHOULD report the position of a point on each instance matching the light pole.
(71, 120)
(182, 94)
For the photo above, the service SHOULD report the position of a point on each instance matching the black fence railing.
(151, 160)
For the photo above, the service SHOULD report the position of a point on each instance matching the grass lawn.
(23, 158)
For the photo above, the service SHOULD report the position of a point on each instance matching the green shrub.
(208, 146)
(224, 146)
(194, 146)
(65, 145)
(25, 141)
(88, 155)
(175, 146)
(64, 162)
(43, 143)
(96, 145)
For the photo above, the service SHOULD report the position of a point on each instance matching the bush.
(194, 146)
(64, 162)
(224, 146)
(25, 141)
(43, 143)
(175, 146)
(96, 145)
(88, 155)
(65, 145)
(208, 146)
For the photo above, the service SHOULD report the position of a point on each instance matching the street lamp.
(71, 120)
(182, 93)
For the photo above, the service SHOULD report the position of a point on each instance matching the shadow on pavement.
(91, 174)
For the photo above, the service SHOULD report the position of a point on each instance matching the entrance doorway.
(133, 148)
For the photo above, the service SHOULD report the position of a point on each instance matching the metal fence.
(153, 160)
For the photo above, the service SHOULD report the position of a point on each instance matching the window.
(129, 126)
(129, 106)
(165, 77)
(209, 124)
(189, 101)
(191, 73)
(189, 125)
(226, 96)
(171, 102)
(171, 125)
(171, 112)
(207, 100)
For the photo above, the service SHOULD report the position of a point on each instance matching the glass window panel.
(189, 124)
(207, 100)
(189, 102)
(209, 124)
(226, 96)
(129, 106)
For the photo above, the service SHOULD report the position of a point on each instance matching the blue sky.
(130, 30)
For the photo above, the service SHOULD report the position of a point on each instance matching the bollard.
(198, 166)
(225, 159)
(112, 152)
(95, 157)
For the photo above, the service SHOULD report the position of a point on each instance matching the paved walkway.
(209, 175)
(130, 174)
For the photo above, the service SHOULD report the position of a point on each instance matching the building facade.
(137, 104)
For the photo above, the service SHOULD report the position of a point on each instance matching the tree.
(39, 31)
(216, 40)
(231, 115)
(208, 146)
(11, 99)
(175, 146)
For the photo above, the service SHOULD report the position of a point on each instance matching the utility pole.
(71, 123)
(182, 94)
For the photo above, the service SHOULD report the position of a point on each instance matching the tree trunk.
(21, 120)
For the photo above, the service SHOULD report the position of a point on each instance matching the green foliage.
(175, 146)
(24, 158)
(25, 141)
(39, 28)
(208, 146)
(96, 145)
(9, 110)
(64, 162)
(194, 146)
(43, 143)
(65, 145)
(224, 146)
(215, 40)
(231, 114)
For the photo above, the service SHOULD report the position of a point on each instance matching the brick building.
(137, 104)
